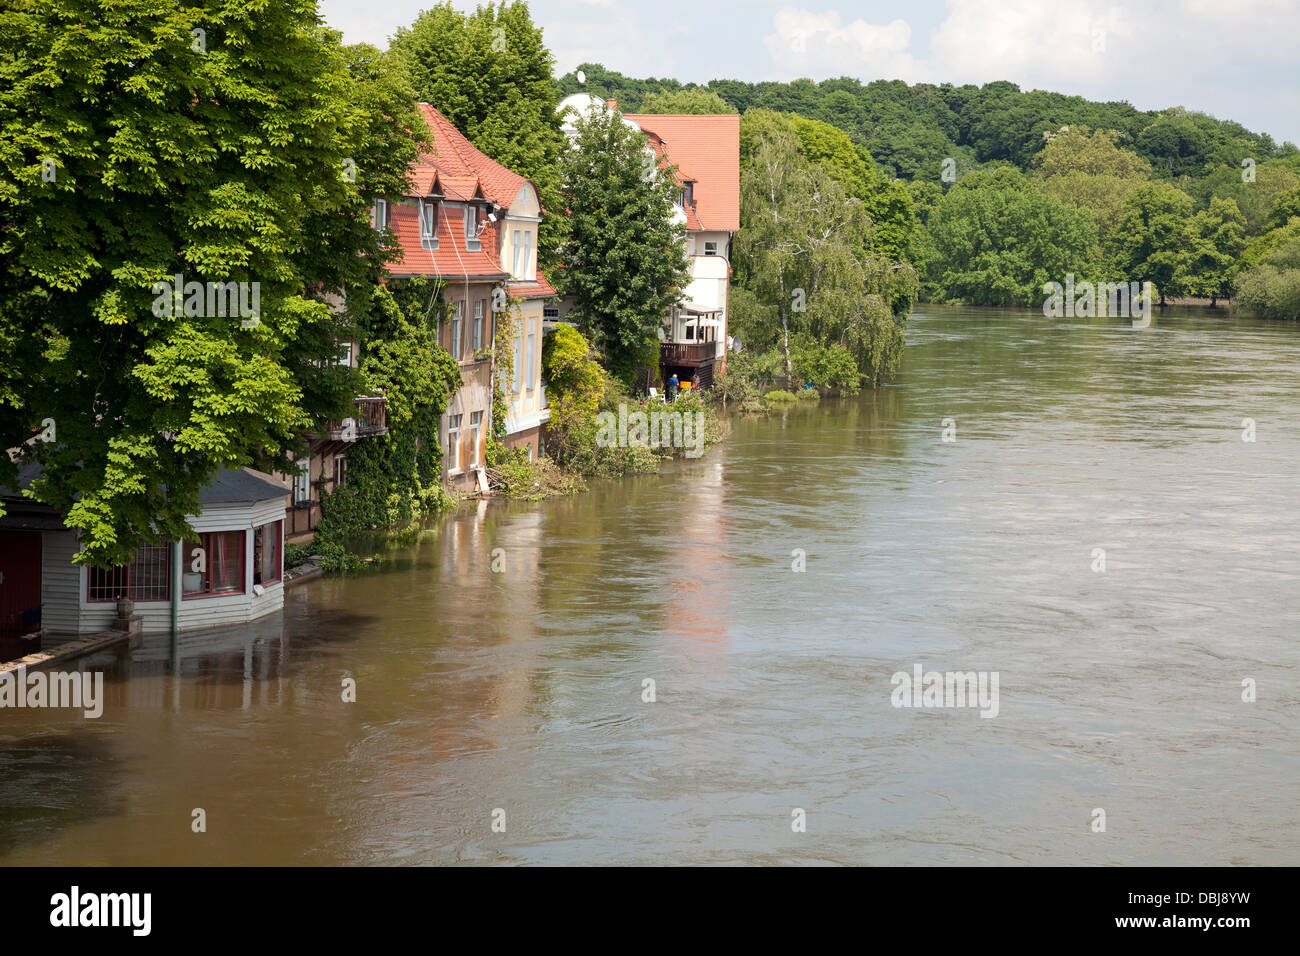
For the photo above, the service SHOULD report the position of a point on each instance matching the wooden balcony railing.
(370, 419)
(687, 353)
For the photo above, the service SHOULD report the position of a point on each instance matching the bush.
(809, 394)
(526, 480)
(779, 399)
(831, 366)
(335, 559)
(1272, 288)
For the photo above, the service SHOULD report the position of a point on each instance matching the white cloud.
(822, 41)
(1065, 41)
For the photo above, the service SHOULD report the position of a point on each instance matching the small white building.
(230, 573)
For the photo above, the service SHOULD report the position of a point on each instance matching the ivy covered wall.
(396, 479)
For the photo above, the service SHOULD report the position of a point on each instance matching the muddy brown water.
(521, 691)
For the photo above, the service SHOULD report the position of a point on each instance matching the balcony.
(687, 353)
(370, 420)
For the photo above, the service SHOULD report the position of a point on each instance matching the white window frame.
(519, 350)
(456, 319)
(379, 214)
(471, 228)
(453, 441)
(514, 269)
(428, 211)
(714, 244)
(528, 254)
(475, 426)
(302, 481)
(478, 324)
(530, 355)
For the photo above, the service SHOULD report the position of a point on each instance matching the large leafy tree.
(224, 140)
(997, 241)
(489, 73)
(1216, 247)
(807, 254)
(1154, 241)
(624, 254)
(1087, 169)
(888, 203)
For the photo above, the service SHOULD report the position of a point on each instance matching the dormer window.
(471, 228)
(429, 223)
(379, 215)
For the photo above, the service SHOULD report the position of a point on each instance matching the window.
(453, 443)
(475, 423)
(344, 356)
(514, 269)
(147, 578)
(471, 228)
(213, 565)
(530, 355)
(340, 471)
(480, 307)
(519, 341)
(429, 222)
(379, 217)
(710, 248)
(268, 556)
(455, 330)
(528, 255)
(302, 481)
(550, 311)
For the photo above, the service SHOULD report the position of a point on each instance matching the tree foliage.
(997, 241)
(230, 141)
(623, 256)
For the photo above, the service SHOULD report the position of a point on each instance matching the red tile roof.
(706, 149)
(458, 161)
(451, 258)
(537, 289)
(460, 172)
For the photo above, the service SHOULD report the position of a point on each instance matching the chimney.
(613, 104)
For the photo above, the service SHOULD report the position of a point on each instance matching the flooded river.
(1097, 534)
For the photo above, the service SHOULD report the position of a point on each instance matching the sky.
(1234, 59)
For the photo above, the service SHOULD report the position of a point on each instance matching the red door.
(20, 581)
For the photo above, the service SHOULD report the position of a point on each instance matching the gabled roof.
(459, 162)
(706, 149)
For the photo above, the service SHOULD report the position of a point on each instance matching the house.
(324, 466)
(230, 573)
(706, 152)
(473, 223)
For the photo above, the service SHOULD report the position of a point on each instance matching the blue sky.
(1235, 59)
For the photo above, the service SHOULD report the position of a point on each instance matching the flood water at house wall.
(522, 690)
